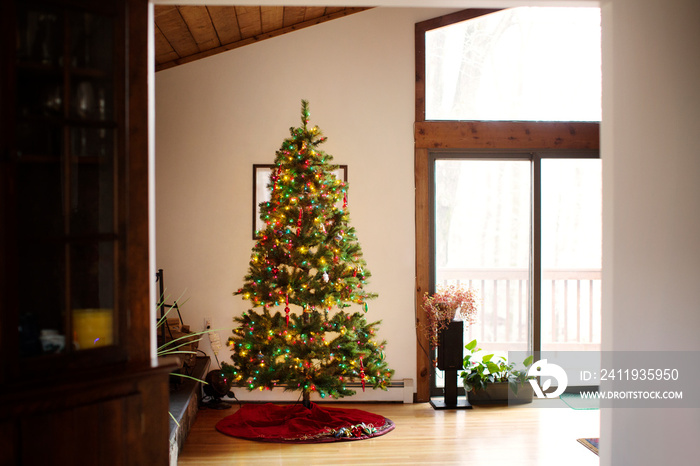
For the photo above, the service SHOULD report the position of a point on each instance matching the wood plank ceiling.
(187, 33)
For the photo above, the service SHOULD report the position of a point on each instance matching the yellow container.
(93, 328)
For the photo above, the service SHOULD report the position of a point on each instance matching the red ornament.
(301, 213)
(362, 374)
(286, 310)
(275, 178)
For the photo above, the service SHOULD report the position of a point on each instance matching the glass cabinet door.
(67, 172)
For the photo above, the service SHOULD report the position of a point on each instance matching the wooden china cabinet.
(77, 382)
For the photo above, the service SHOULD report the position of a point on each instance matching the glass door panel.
(571, 254)
(482, 240)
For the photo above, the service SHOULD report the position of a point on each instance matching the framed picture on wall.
(261, 191)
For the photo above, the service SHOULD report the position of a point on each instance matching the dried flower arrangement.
(446, 304)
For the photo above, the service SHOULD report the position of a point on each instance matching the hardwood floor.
(517, 436)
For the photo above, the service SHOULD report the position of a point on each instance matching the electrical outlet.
(207, 323)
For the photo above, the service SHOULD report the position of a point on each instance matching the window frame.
(445, 136)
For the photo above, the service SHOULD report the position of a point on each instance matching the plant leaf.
(169, 352)
(493, 368)
(164, 348)
(189, 377)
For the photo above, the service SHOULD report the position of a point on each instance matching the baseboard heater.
(393, 384)
(400, 391)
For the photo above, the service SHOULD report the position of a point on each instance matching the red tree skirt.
(295, 423)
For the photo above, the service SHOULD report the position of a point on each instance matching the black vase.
(450, 344)
(450, 348)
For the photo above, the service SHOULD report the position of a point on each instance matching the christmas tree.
(306, 268)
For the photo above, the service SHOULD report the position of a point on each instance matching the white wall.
(218, 116)
(651, 199)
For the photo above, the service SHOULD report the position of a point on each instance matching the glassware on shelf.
(79, 142)
(52, 341)
(93, 142)
(53, 100)
(45, 47)
(84, 104)
(101, 104)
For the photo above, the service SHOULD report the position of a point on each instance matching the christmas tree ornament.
(362, 374)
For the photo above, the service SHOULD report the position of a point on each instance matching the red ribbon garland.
(362, 374)
(275, 177)
(301, 213)
(286, 310)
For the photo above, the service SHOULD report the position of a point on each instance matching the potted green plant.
(490, 378)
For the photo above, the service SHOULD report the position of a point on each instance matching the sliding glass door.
(524, 230)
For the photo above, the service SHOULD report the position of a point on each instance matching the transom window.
(519, 64)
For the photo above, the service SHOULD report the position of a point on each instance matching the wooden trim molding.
(423, 236)
(139, 280)
(506, 135)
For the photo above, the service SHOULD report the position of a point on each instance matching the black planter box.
(451, 347)
(450, 356)
(500, 393)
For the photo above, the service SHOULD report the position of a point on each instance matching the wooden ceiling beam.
(175, 31)
(226, 23)
(333, 9)
(293, 15)
(313, 12)
(199, 23)
(272, 18)
(249, 21)
(164, 51)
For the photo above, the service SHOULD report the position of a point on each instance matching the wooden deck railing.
(570, 309)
